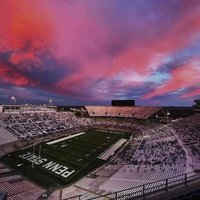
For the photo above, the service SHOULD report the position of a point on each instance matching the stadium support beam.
(40, 147)
(33, 154)
(60, 194)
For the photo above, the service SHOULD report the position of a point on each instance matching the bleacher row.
(28, 125)
(188, 130)
(138, 112)
(17, 188)
(153, 154)
(119, 124)
(158, 147)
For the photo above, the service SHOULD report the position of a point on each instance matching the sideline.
(65, 138)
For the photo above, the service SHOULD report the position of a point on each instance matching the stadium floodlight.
(166, 115)
(50, 102)
(13, 101)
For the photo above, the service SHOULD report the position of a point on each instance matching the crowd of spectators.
(156, 149)
(153, 152)
(115, 123)
(152, 144)
(29, 125)
(158, 152)
(188, 130)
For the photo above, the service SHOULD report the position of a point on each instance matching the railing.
(78, 197)
(145, 189)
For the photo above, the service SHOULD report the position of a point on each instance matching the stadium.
(99, 99)
(99, 152)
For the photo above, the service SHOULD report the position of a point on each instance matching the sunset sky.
(82, 52)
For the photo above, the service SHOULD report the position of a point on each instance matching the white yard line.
(65, 138)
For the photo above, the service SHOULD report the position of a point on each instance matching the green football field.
(63, 162)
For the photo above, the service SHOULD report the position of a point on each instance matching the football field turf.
(65, 161)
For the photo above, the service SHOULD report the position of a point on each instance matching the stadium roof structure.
(137, 112)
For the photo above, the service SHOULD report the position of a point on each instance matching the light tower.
(50, 102)
(13, 101)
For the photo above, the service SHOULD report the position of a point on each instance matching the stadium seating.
(138, 112)
(154, 156)
(154, 152)
(188, 130)
(17, 187)
(33, 124)
(113, 123)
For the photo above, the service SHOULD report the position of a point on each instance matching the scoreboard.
(123, 102)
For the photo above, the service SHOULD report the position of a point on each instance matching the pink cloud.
(97, 43)
(181, 78)
(193, 93)
(16, 58)
(9, 76)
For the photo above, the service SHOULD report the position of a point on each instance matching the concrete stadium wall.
(1, 108)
